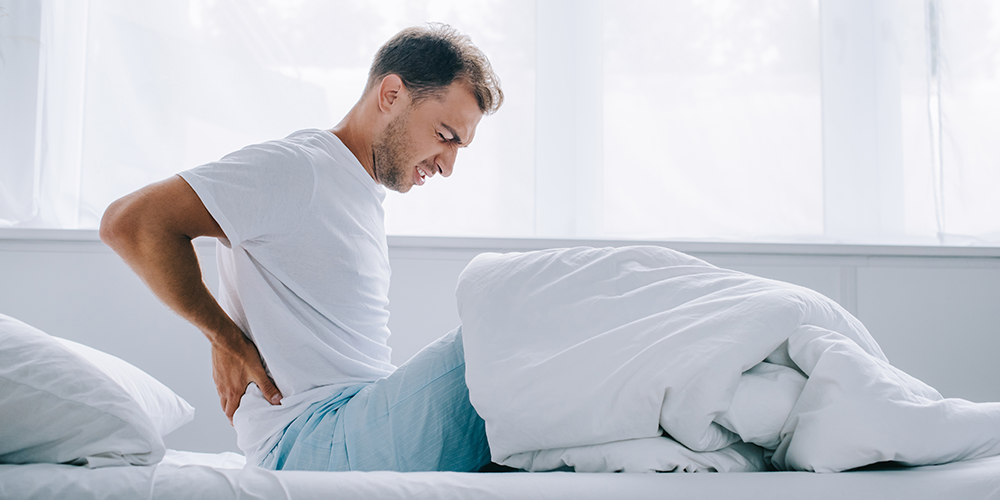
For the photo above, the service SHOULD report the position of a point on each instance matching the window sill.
(483, 244)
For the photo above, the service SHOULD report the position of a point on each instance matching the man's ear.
(392, 93)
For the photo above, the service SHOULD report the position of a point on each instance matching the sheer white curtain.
(838, 121)
(20, 26)
(147, 89)
(713, 120)
(859, 121)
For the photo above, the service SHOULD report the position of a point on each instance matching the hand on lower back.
(233, 369)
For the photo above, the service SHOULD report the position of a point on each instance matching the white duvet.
(647, 359)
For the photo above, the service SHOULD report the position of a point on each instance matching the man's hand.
(233, 368)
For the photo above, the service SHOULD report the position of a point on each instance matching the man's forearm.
(171, 271)
(168, 265)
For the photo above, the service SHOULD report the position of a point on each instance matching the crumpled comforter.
(648, 359)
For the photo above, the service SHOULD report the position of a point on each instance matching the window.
(713, 120)
(860, 121)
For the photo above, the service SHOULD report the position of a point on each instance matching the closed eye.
(454, 136)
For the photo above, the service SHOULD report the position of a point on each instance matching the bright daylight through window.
(833, 121)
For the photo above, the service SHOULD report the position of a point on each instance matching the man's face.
(424, 138)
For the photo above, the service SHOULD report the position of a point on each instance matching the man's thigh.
(418, 418)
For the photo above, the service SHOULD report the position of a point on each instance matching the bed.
(78, 423)
(195, 476)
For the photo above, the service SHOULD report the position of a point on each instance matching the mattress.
(194, 476)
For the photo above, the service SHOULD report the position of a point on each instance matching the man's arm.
(151, 229)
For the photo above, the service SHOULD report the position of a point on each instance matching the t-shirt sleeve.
(257, 192)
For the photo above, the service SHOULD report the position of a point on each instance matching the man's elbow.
(141, 223)
(118, 225)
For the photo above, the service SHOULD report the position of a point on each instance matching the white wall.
(934, 311)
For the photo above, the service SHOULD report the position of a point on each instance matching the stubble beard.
(389, 153)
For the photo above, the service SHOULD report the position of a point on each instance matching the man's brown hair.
(430, 58)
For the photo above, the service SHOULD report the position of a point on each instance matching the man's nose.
(447, 161)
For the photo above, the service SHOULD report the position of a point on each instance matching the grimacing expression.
(424, 138)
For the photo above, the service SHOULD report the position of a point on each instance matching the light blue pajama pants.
(417, 419)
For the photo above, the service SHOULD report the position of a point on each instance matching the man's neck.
(354, 133)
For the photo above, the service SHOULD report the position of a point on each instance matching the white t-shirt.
(304, 272)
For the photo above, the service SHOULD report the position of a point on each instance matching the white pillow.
(56, 407)
(167, 410)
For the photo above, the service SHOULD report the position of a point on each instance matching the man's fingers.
(231, 405)
(270, 391)
(228, 408)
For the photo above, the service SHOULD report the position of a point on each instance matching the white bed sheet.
(195, 476)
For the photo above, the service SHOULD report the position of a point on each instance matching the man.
(299, 330)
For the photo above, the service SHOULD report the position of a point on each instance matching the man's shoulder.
(295, 156)
(295, 146)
